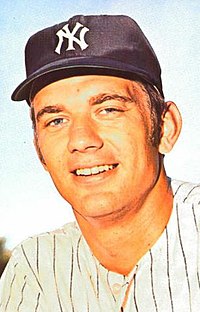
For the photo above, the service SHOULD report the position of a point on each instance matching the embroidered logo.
(65, 33)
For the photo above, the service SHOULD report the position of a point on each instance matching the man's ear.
(171, 128)
(39, 153)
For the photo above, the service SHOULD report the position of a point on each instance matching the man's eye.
(57, 122)
(108, 110)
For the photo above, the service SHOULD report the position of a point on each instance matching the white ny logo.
(65, 33)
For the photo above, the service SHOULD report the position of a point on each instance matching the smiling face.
(93, 133)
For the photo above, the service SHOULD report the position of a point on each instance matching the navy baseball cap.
(95, 44)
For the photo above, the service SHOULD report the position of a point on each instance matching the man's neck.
(119, 245)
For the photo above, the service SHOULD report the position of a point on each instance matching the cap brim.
(80, 66)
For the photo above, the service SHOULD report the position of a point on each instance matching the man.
(101, 129)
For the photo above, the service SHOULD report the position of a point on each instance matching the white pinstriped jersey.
(56, 271)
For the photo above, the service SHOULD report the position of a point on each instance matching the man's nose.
(83, 136)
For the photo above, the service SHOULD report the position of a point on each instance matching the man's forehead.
(95, 85)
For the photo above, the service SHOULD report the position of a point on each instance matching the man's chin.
(99, 210)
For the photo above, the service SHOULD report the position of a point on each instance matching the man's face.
(93, 133)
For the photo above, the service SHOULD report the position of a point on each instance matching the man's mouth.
(94, 170)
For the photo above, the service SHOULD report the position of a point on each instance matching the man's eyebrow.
(48, 110)
(107, 97)
(51, 109)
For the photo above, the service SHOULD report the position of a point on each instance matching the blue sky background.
(29, 203)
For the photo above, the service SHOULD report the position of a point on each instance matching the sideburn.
(38, 149)
(32, 115)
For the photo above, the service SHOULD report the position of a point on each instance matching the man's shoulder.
(62, 238)
(187, 206)
(186, 192)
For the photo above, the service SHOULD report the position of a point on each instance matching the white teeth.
(94, 170)
(101, 168)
